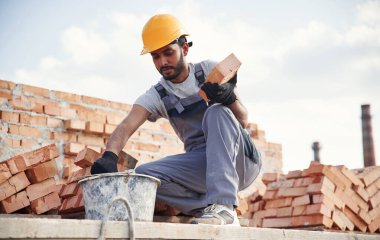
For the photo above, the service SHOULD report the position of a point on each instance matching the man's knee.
(143, 169)
(215, 111)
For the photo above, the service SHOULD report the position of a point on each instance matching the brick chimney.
(368, 146)
(316, 147)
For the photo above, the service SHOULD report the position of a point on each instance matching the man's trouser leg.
(213, 175)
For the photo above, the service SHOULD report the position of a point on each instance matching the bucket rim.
(102, 175)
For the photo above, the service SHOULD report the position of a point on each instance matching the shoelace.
(209, 208)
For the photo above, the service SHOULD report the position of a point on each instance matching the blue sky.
(307, 65)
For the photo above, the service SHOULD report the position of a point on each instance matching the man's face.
(169, 61)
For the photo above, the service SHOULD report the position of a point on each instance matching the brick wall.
(32, 117)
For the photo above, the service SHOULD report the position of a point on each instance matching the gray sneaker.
(219, 215)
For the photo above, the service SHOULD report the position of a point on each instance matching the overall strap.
(199, 73)
(172, 102)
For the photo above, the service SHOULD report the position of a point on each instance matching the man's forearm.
(118, 140)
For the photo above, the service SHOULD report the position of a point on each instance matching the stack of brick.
(32, 117)
(72, 193)
(27, 181)
(321, 195)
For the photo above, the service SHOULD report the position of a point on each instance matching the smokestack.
(316, 147)
(368, 148)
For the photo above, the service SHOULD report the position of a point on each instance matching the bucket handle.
(130, 220)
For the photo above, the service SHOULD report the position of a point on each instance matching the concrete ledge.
(40, 228)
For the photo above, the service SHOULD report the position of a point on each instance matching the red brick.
(10, 116)
(68, 112)
(31, 90)
(357, 199)
(75, 124)
(321, 198)
(351, 176)
(69, 190)
(315, 220)
(121, 106)
(337, 214)
(294, 174)
(13, 129)
(272, 212)
(277, 203)
(370, 175)
(95, 101)
(21, 104)
(292, 192)
(46, 203)
(319, 208)
(29, 131)
(52, 110)
(373, 213)
(359, 223)
(15, 202)
(6, 94)
(270, 195)
(34, 157)
(19, 181)
(91, 140)
(5, 173)
(168, 149)
(276, 185)
(42, 171)
(54, 123)
(375, 225)
(158, 137)
(373, 188)
(6, 190)
(77, 175)
(108, 129)
(302, 182)
(362, 193)
(32, 120)
(254, 207)
(375, 200)
(12, 143)
(269, 177)
(72, 204)
(66, 137)
(28, 143)
(302, 200)
(364, 215)
(284, 212)
(347, 200)
(114, 118)
(68, 96)
(147, 147)
(41, 189)
(277, 222)
(337, 176)
(73, 148)
(94, 127)
(7, 85)
(95, 148)
(299, 210)
(86, 157)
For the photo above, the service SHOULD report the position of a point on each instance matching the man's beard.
(177, 70)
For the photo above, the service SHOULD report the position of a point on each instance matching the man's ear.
(185, 48)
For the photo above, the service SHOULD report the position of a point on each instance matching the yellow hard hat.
(161, 30)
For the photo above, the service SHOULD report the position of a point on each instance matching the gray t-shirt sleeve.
(151, 101)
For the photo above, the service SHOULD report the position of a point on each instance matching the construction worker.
(220, 159)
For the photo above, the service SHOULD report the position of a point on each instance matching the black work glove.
(106, 164)
(223, 93)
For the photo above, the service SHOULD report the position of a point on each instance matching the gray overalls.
(219, 161)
